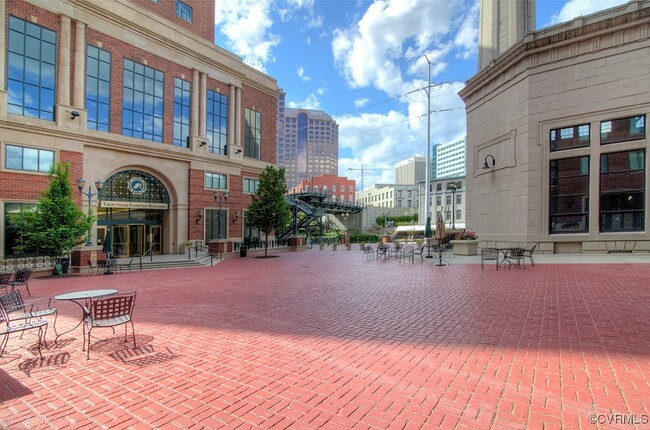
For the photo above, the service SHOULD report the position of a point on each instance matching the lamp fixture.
(486, 165)
(74, 114)
(235, 217)
(198, 216)
(218, 196)
(89, 194)
(203, 143)
(237, 151)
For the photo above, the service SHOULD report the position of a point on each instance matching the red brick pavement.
(322, 339)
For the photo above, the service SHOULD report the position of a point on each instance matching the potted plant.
(185, 245)
(466, 243)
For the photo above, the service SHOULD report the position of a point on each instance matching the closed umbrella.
(440, 236)
(108, 244)
(427, 229)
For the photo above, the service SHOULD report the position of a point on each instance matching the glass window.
(622, 130)
(438, 200)
(31, 69)
(251, 234)
(253, 133)
(459, 199)
(251, 185)
(98, 88)
(181, 113)
(142, 105)
(216, 181)
(215, 224)
(12, 231)
(438, 187)
(458, 214)
(183, 11)
(577, 136)
(622, 191)
(569, 195)
(448, 200)
(217, 122)
(28, 159)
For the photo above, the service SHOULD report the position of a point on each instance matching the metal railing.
(150, 252)
(12, 263)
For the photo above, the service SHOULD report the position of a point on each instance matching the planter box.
(465, 247)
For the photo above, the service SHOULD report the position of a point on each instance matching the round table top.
(88, 294)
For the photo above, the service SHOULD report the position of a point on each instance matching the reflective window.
(622, 130)
(29, 159)
(622, 191)
(217, 122)
(253, 133)
(181, 112)
(13, 229)
(98, 88)
(142, 105)
(31, 69)
(570, 137)
(251, 185)
(216, 181)
(569, 195)
(183, 11)
(215, 224)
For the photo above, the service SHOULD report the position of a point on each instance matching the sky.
(365, 64)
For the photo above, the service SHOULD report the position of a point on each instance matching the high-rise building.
(450, 159)
(410, 171)
(138, 99)
(307, 143)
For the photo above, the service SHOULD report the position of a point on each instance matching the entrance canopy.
(134, 189)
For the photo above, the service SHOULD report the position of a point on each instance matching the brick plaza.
(322, 339)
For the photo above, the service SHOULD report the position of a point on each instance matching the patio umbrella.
(108, 243)
(440, 228)
(427, 229)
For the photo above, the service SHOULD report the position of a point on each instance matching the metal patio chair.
(419, 251)
(490, 254)
(515, 257)
(21, 278)
(9, 326)
(406, 254)
(368, 252)
(5, 278)
(528, 253)
(110, 311)
(17, 309)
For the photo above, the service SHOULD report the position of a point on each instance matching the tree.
(57, 224)
(268, 210)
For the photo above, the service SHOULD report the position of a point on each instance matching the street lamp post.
(99, 185)
(452, 186)
(219, 199)
(385, 215)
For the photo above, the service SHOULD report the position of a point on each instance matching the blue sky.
(363, 63)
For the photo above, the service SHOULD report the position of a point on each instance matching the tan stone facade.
(156, 39)
(591, 72)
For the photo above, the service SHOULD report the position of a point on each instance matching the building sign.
(137, 186)
(133, 205)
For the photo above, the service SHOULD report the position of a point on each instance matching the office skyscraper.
(308, 143)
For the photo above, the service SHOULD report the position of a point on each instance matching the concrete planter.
(465, 247)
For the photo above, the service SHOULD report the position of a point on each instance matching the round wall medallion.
(137, 185)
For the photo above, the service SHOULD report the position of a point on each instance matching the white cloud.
(575, 8)
(361, 102)
(301, 74)
(311, 102)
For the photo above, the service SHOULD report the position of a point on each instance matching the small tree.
(58, 223)
(268, 211)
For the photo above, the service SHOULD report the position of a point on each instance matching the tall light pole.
(452, 186)
(99, 185)
(427, 168)
(219, 200)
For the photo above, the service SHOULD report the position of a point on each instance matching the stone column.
(79, 93)
(194, 115)
(3, 59)
(238, 117)
(202, 108)
(63, 84)
(231, 116)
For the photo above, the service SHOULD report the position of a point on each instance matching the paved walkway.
(322, 339)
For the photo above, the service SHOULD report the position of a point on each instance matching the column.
(238, 117)
(3, 44)
(194, 114)
(202, 108)
(79, 66)
(231, 117)
(63, 84)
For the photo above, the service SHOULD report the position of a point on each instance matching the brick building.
(135, 95)
(340, 188)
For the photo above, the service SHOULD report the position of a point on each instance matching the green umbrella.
(427, 228)
(108, 244)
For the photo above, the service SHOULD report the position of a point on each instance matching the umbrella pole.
(440, 263)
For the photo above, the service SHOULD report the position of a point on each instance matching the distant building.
(449, 197)
(341, 188)
(307, 143)
(390, 196)
(450, 159)
(410, 171)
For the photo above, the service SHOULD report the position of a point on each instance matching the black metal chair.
(124, 266)
(419, 251)
(21, 278)
(17, 309)
(110, 311)
(10, 326)
(406, 254)
(368, 252)
(489, 254)
(5, 278)
(515, 257)
(528, 253)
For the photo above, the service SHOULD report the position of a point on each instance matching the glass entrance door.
(120, 240)
(137, 245)
(155, 239)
